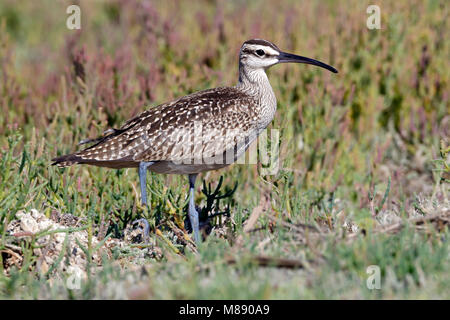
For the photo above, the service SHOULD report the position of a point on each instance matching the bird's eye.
(260, 52)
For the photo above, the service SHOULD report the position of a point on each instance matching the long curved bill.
(284, 57)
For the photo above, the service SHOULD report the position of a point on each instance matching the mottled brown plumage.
(170, 132)
(183, 136)
(202, 131)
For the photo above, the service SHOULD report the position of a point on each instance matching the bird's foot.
(205, 222)
(138, 231)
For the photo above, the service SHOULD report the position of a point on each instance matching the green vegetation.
(364, 169)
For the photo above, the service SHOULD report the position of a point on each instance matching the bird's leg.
(193, 214)
(143, 180)
(143, 183)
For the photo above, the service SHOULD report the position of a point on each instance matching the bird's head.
(262, 54)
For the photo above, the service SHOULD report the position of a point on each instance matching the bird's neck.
(253, 79)
(255, 83)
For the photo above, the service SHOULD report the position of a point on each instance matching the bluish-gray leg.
(193, 214)
(143, 180)
(143, 184)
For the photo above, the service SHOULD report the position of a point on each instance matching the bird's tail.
(67, 160)
(90, 155)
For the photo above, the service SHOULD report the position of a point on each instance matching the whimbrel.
(197, 132)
